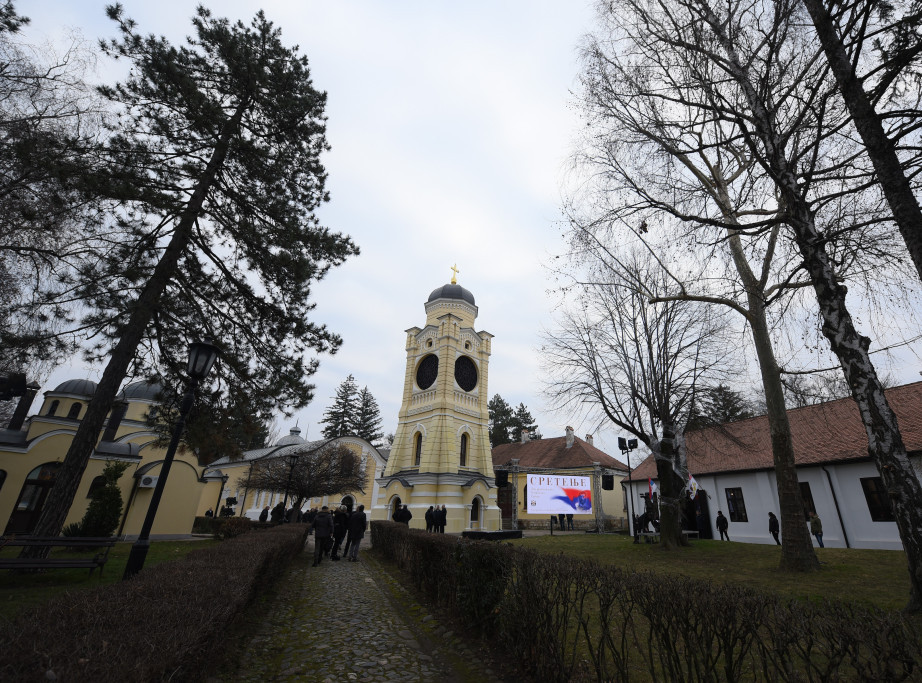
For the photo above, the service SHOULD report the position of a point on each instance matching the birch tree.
(760, 53)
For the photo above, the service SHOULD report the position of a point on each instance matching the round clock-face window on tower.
(427, 371)
(465, 373)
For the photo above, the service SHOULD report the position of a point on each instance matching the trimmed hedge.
(563, 619)
(167, 622)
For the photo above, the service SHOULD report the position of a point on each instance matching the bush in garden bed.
(167, 622)
(564, 619)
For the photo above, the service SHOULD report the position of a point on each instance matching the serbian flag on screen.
(653, 487)
(692, 486)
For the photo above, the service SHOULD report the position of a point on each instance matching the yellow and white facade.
(441, 450)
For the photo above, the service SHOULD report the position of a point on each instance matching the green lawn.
(875, 577)
(19, 591)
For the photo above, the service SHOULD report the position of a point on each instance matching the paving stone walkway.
(352, 621)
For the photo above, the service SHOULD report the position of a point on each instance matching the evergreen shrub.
(167, 622)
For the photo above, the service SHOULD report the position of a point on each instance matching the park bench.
(91, 563)
(649, 536)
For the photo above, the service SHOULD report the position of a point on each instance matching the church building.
(441, 450)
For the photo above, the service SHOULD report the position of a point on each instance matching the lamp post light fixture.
(202, 356)
(626, 446)
(292, 461)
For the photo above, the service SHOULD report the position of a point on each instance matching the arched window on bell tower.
(464, 450)
(418, 450)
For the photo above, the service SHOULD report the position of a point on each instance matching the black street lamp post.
(626, 446)
(202, 356)
(292, 460)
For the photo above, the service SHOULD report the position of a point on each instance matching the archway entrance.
(475, 514)
(393, 507)
(32, 498)
(349, 502)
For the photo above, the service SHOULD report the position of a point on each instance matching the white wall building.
(734, 469)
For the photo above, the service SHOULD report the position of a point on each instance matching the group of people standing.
(436, 518)
(330, 530)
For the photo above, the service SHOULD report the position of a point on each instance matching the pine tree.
(216, 161)
(339, 418)
(522, 420)
(500, 424)
(367, 419)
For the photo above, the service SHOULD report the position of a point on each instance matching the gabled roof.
(554, 453)
(822, 433)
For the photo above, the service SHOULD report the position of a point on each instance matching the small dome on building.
(78, 387)
(293, 437)
(452, 292)
(141, 391)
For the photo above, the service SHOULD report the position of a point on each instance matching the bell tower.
(441, 451)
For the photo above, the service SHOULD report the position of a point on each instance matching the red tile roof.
(822, 433)
(554, 453)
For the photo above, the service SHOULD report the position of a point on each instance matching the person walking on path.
(323, 533)
(264, 515)
(403, 515)
(773, 527)
(569, 521)
(340, 527)
(430, 519)
(277, 513)
(816, 528)
(358, 523)
(722, 526)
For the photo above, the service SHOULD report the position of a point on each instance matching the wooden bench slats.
(90, 563)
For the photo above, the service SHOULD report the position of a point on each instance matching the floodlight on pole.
(626, 446)
(202, 356)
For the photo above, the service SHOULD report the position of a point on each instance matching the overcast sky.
(450, 125)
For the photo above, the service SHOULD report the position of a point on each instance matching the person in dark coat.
(403, 515)
(569, 521)
(430, 519)
(773, 527)
(442, 519)
(562, 521)
(264, 515)
(340, 527)
(323, 533)
(209, 512)
(358, 523)
(722, 526)
(277, 513)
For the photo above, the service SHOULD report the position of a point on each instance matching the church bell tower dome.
(441, 452)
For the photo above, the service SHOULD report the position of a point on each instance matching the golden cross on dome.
(454, 275)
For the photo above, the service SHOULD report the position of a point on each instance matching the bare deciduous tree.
(326, 470)
(637, 365)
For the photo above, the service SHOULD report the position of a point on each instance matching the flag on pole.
(692, 486)
(653, 488)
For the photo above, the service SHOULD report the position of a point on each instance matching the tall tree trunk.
(797, 554)
(885, 444)
(61, 496)
(880, 149)
(671, 489)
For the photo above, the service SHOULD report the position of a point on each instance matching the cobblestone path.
(352, 621)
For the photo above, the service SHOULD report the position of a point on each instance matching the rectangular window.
(878, 503)
(736, 506)
(807, 498)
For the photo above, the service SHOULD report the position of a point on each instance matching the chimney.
(569, 437)
(589, 439)
(525, 437)
(22, 408)
(119, 408)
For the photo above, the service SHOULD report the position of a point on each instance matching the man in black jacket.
(323, 533)
(358, 523)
